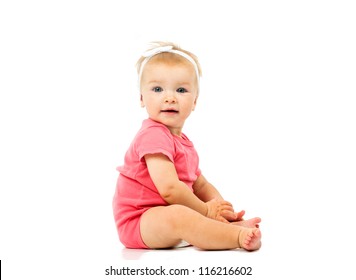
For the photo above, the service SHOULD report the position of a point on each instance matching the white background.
(274, 127)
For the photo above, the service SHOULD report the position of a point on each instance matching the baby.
(162, 197)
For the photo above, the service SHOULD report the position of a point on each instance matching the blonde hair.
(169, 57)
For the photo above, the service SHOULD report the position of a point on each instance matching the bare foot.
(250, 239)
(251, 223)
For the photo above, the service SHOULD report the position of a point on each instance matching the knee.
(178, 215)
(178, 210)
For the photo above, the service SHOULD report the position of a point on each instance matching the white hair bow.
(157, 50)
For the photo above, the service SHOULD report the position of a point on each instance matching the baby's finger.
(229, 215)
(224, 202)
(227, 208)
(239, 215)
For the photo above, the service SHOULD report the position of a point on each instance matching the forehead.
(186, 66)
(168, 61)
(165, 72)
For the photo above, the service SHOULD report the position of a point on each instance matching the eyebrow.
(154, 82)
(159, 81)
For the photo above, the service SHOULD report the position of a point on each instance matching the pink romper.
(135, 192)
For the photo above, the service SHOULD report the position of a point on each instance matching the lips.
(169, 111)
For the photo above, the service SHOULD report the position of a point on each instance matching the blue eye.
(181, 90)
(157, 89)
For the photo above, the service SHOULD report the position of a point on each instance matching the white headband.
(151, 53)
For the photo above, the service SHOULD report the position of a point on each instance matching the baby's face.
(169, 92)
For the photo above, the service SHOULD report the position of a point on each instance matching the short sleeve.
(155, 140)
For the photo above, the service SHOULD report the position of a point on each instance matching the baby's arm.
(164, 175)
(204, 190)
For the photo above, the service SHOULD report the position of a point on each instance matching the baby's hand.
(222, 211)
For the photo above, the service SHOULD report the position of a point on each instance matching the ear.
(141, 101)
(195, 103)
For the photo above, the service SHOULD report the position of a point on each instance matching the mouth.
(169, 111)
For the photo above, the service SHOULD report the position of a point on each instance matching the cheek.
(145, 98)
(189, 106)
(150, 102)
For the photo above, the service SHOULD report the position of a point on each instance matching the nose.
(170, 97)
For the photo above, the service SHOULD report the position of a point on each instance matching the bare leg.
(166, 226)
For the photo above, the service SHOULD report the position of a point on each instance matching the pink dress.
(135, 192)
